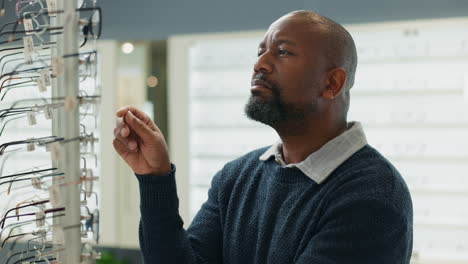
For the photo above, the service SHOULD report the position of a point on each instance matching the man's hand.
(140, 142)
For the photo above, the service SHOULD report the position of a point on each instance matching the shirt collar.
(320, 164)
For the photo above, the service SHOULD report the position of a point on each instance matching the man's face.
(289, 74)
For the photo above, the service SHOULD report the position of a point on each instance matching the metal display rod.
(67, 125)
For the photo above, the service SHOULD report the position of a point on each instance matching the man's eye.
(283, 52)
(260, 53)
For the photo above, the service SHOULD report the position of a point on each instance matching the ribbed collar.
(320, 164)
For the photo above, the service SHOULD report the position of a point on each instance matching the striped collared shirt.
(320, 164)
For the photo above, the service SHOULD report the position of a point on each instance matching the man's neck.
(299, 143)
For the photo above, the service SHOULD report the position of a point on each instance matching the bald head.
(338, 44)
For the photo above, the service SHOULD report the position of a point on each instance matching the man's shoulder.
(368, 172)
(368, 159)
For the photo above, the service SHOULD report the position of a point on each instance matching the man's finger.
(140, 115)
(129, 145)
(119, 147)
(122, 111)
(136, 112)
(125, 140)
(132, 145)
(124, 131)
(139, 127)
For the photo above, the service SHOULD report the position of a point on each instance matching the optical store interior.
(190, 67)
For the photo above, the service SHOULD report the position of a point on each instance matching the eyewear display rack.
(51, 223)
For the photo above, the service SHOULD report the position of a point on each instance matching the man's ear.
(336, 79)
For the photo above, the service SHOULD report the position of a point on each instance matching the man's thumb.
(139, 127)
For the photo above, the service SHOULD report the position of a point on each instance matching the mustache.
(275, 88)
(262, 77)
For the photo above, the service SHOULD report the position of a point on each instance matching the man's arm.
(361, 230)
(162, 236)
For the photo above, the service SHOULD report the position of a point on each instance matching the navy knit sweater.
(260, 212)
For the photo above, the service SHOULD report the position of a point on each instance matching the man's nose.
(263, 63)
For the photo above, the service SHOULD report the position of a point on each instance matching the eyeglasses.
(38, 81)
(4, 57)
(91, 224)
(8, 24)
(28, 19)
(7, 88)
(86, 60)
(86, 172)
(20, 58)
(26, 259)
(47, 211)
(35, 32)
(69, 103)
(29, 112)
(88, 255)
(27, 173)
(21, 5)
(46, 45)
(18, 207)
(36, 181)
(37, 258)
(31, 143)
(40, 233)
(40, 218)
(91, 25)
(88, 175)
(41, 83)
(28, 251)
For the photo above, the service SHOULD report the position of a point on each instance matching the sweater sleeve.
(361, 229)
(162, 236)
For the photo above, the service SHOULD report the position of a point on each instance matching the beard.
(274, 111)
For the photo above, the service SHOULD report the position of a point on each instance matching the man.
(320, 195)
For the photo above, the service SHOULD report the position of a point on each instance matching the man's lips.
(257, 83)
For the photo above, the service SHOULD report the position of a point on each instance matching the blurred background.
(188, 65)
